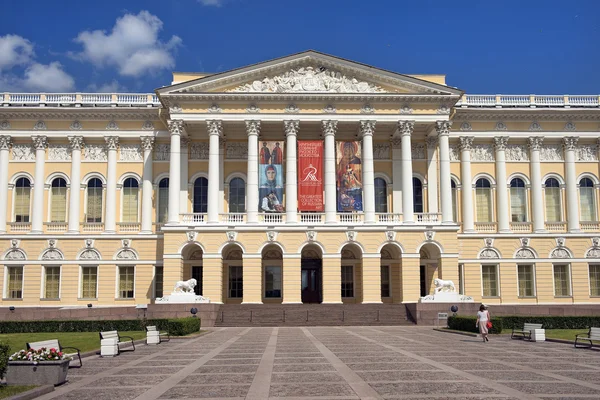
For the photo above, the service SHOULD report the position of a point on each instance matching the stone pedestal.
(446, 297)
(182, 298)
(109, 347)
(538, 335)
(43, 373)
(152, 337)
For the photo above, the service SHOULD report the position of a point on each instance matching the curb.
(33, 393)
(469, 334)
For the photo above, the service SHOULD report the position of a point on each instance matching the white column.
(466, 143)
(443, 131)
(570, 145)
(215, 130)
(291, 177)
(396, 145)
(408, 210)
(183, 177)
(110, 225)
(535, 144)
(76, 143)
(40, 143)
(221, 200)
(329, 129)
(147, 187)
(175, 129)
(253, 130)
(367, 129)
(500, 143)
(5, 143)
(432, 174)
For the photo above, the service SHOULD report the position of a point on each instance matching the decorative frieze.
(517, 152)
(367, 109)
(443, 110)
(213, 109)
(4, 125)
(500, 126)
(418, 151)
(39, 126)
(23, 152)
(482, 153)
(535, 127)
(162, 152)
(95, 152)
(253, 109)
(148, 126)
(292, 109)
(381, 151)
(466, 126)
(330, 109)
(112, 126)
(406, 109)
(586, 153)
(59, 152)
(551, 152)
(199, 151)
(131, 153)
(454, 153)
(236, 150)
(570, 126)
(76, 126)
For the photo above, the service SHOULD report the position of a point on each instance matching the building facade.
(305, 179)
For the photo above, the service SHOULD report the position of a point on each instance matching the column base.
(35, 232)
(470, 231)
(109, 232)
(292, 302)
(146, 233)
(332, 302)
(449, 223)
(577, 230)
(252, 302)
(505, 231)
(74, 232)
(540, 231)
(372, 302)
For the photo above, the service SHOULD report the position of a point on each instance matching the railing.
(428, 218)
(233, 218)
(80, 99)
(311, 218)
(92, 226)
(274, 218)
(129, 226)
(20, 226)
(389, 218)
(520, 227)
(590, 226)
(56, 226)
(193, 218)
(556, 226)
(487, 227)
(514, 100)
(350, 218)
(528, 100)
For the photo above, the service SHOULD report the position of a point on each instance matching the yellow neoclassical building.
(304, 179)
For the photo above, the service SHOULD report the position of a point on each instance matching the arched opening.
(312, 275)
(587, 200)
(391, 274)
(351, 274)
(428, 268)
(381, 197)
(417, 195)
(58, 200)
(483, 200)
(233, 274)
(193, 267)
(200, 199)
(272, 272)
(162, 206)
(94, 201)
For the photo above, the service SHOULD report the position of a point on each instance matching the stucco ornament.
(131, 153)
(14, 243)
(418, 151)
(271, 236)
(330, 109)
(367, 109)
(4, 125)
(126, 254)
(59, 152)
(381, 151)
(112, 126)
(214, 108)
(292, 109)
(253, 109)
(309, 79)
(561, 241)
(15, 255)
(500, 126)
(594, 251)
(551, 152)
(517, 152)
(466, 126)
(175, 108)
(236, 150)
(570, 126)
(489, 253)
(191, 235)
(39, 126)
(454, 153)
(52, 243)
(524, 242)
(23, 152)
(76, 126)
(535, 126)
(560, 253)
(406, 109)
(199, 151)
(94, 152)
(429, 235)
(351, 236)
(52, 254)
(148, 126)
(489, 242)
(482, 153)
(390, 235)
(524, 253)
(5, 142)
(162, 152)
(89, 243)
(231, 235)
(311, 236)
(443, 109)
(587, 153)
(90, 254)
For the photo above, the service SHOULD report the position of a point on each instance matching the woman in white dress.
(483, 316)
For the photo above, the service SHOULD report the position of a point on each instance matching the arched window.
(131, 193)
(518, 200)
(587, 200)
(200, 195)
(58, 200)
(417, 195)
(553, 201)
(483, 200)
(381, 205)
(454, 200)
(22, 199)
(237, 195)
(163, 201)
(94, 201)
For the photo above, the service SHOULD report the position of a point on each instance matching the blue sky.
(521, 47)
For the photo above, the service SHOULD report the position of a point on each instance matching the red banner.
(310, 175)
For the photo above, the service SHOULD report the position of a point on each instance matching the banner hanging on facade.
(349, 177)
(270, 177)
(310, 175)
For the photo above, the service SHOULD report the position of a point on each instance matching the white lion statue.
(442, 285)
(185, 286)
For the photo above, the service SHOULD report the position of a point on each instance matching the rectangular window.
(595, 280)
(483, 204)
(130, 204)
(552, 196)
(562, 280)
(347, 281)
(526, 282)
(52, 283)
(158, 281)
(15, 283)
(489, 278)
(126, 282)
(163, 205)
(236, 282)
(94, 205)
(587, 204)
(59, 204)
(22, 200)
(518, 204)
(89, 282)
(197, 275)
(385, 281)
(273, 282)
(461, 278)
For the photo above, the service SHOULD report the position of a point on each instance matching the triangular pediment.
(310, 72)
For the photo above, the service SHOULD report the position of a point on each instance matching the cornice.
(87, 114)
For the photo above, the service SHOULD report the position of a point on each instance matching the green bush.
(83, 325)
(4, 354)
(467, 324)
(554, 322)
(183, 326)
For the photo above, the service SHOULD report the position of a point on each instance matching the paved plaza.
(338, 363)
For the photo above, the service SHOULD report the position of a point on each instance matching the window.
(553, 203)
(58, 200)
(14, 282)
(587, 200)
(237, 196)
(126, 282)
(131, 192)
(22, 199)
(94, 201)
(461, 278)
(595, 280)
(381, 199)
(454, 191)
(526, 282)
(89, 282)
(347, 281)
(417, 195)
(518, 200)
(158, 281)
(489, 277)
(385, 281)
(562, 280)
(483, 200)
(272, 282)
(200, 195)
(163, 201)
(52, 283)
(236, 282)
(197, 275)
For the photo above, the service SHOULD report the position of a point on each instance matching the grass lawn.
(564, 334)
(7, 391)
(84, 341)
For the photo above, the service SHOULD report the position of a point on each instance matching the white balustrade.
(129, 226)
(92, 226)
(488, 100)
(56, 226)
(274, 218)
(24, 98)
(526, 100)
(233, 218)
(96, 98)
(193, 218)
(350, 218)
(549, 100)
(61, 98)
(388, 218)
(589, 226)
(556, 226)
(20, 226)
(132, 99)
(584, 101)
(311, 218)
(428, 218)
(487, 227)
(519, 227)
(514, 100)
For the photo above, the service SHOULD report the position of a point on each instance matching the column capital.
(40, 142)
(466, 143)
(291, 127)
(329, 127)
(215, 127)
(175, 126)
(75, 142)
(367, 127)
(570, 142)
(535, 143)
(431, 142)
(5, 142)
(406, 127)
(253, 127)
(443, 127)
(500, 143)
(112, 142)
(147, 142)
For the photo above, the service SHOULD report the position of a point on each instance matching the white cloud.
(132, 46)
(14, 50)
(110, 87)
(48, 78)
(215, 3)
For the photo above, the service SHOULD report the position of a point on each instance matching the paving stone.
(302, 367)
(306, 377)
(187, 392)
(104, 394)
(408, 376)
(212, 379)
(419, 388)
(310, 390)
(142, 380)
(235, 361)
(149, 370)
(552, 388)
(391, 366)
(226, 368)
(305, 360)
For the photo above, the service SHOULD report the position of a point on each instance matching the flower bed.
(37, 367)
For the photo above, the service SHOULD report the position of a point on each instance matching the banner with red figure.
(310, 175)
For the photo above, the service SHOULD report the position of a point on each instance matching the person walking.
(484, 322)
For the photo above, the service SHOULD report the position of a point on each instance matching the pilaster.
(443, 132)
(110, 220)
(466, 143)
(570, 145)
(253, 130)
(396, 145)
(215, 131)
(432, 174)
(411, 289)
(176, 130)
(535, 144)
(500, 143)
(147, 187)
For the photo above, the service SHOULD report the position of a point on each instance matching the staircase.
(312, 315)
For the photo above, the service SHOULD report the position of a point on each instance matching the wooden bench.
(161, 335)
(525, 333)
(55, 344)
(593, 334)
(115, 335)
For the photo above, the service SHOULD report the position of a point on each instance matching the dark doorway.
(423, 280)
(197, 275)
(312, 270)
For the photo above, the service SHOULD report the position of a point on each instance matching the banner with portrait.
(270, 177)
(310, 175)
(349, 176)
